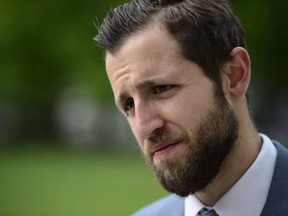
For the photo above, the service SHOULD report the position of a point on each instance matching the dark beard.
(214, 140)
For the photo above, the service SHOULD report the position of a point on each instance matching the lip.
(164, 145)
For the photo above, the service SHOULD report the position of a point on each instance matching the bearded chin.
(186, 178)
(214, 140)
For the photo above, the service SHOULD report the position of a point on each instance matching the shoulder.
(171, 205)
(282, 155)
(277, 200)
(280, 148)
(281, 166)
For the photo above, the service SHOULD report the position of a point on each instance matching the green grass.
(66, 182)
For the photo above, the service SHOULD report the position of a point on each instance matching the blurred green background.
(64, 149)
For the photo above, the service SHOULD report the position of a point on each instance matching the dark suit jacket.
(276, 203)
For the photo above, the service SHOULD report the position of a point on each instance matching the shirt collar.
(251, 190)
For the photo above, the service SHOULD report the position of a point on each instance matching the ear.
(239, 72)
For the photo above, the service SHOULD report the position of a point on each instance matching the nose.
(148, 118)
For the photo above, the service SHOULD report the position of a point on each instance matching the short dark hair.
(207, 30)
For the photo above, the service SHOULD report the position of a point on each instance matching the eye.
(128, 105)
(161, 88)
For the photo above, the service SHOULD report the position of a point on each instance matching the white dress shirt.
(248, 196)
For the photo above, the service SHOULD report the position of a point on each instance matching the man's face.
(182, 122)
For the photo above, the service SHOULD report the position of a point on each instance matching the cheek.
(182, 111)
(187, 113)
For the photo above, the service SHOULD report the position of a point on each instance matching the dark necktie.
(207, 212)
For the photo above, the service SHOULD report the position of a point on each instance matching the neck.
(247, 148)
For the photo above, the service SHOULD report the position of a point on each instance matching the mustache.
(162, 134)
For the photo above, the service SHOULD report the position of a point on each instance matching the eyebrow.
(119, 100)
(146, 83)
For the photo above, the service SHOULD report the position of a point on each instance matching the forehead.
(148, 37)
(153, 41)
(146, 57)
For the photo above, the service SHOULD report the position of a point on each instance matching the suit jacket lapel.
(277, 200)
